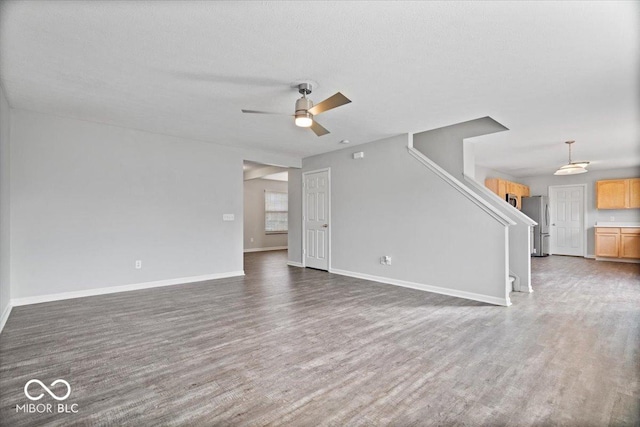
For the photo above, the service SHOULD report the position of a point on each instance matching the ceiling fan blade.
(264, 112)
(318, 129)
(332, 102)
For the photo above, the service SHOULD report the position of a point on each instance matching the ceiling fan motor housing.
(303, 105)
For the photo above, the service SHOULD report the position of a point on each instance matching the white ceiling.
(549, 71)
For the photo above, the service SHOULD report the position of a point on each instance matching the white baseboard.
(114, 289)
(428, 288)
(273, 248)
(294, 264)
(589, 256)
(5, 316)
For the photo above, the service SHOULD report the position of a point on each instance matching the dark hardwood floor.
(291, 346)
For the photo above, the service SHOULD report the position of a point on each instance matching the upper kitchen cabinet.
(618, 194)
(502, 187)
(634, 193)
(498, 186)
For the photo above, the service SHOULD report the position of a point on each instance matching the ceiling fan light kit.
(305, 110)
(572, 168)
(304, 120)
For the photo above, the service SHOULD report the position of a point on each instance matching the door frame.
(584, 215)
(304, 210)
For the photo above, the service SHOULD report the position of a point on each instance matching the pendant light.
(572, 168)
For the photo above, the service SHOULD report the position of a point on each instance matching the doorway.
(316, 213)
(567, 203)
(265, 207)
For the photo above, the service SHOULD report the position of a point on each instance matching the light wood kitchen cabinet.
(630, 243)
(608, 242)
(613, 242)
(501, 187)
(618, 194)
(634, 193)
(498, 186)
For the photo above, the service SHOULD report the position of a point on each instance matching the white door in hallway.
(316, 219)
(567, 219)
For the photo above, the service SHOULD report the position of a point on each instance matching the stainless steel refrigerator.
(537, 208)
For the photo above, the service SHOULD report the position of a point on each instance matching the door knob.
(325, 225)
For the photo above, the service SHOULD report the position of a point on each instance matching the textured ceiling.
(549, 71)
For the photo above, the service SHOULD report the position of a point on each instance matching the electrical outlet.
(251, 240)
(385, 260)
(228, 217)
(138, 264)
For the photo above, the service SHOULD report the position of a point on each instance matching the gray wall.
(254, 214)
(390, 204)
(295, 216)
(539, 185)
(5, 119)
(482, 173)
(90, 199)
(445, 146)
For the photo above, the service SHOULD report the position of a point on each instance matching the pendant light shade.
(572, 168)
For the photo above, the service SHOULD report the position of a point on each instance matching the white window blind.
(276, 212)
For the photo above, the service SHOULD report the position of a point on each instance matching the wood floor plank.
(291, 346)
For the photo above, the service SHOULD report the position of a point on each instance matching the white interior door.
(567, 219)
(316, 219)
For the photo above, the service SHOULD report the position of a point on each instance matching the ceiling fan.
(305, 110)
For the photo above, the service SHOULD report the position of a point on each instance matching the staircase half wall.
(440, 236)
(451, 148)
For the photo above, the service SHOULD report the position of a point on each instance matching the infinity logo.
(45, 388)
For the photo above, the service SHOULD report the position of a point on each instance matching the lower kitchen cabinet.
(630, 243)
(613, 242)
(608, 242)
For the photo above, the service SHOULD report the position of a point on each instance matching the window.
(276, 212)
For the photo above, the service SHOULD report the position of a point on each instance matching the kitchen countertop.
(618, 224)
